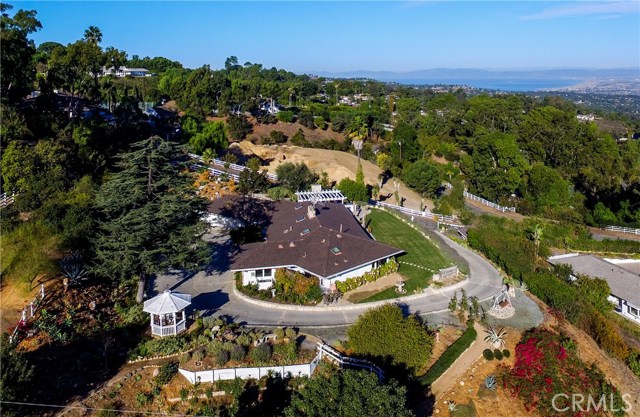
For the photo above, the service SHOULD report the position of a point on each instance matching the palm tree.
(93, 35)
(534, 233)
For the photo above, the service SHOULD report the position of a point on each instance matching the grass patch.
(388, 229)
(449, 356)
(27, 251)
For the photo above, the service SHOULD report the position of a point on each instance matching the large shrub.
(261, 353)
(385, 334)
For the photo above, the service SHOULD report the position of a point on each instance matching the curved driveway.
(212, 293)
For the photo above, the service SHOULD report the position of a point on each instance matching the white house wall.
(622, 308)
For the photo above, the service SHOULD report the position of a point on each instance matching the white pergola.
(167, 313)
(321, 196)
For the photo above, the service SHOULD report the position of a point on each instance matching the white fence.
(413, 212)
(27, 314)
(6, 200)
(488, 203)
(622, 229)
(235, 167)
(347, 361)
(305, 369)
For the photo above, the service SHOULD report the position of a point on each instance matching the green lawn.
(388, 229)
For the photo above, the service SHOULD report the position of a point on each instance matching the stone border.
(362, 306)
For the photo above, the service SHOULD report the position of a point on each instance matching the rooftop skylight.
(336, 250)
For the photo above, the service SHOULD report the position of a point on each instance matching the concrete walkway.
(461, 365)
(212, 293)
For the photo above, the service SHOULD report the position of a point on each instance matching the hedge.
(449, 356)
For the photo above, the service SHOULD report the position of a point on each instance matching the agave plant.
(524, 287)
(453, 406)
(71, 268)
(495, 337)
(490, 383)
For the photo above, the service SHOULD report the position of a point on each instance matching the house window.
(299, 219)
(263, 273)
(336, 250)
(633, 311)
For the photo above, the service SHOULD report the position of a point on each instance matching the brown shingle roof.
(295, 239)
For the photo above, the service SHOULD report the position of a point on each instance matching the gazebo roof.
(167, 302)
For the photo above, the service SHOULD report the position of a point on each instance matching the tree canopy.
(150, 217)
(384, 333)
(348, 393)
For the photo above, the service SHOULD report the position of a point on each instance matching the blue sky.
(345, 36)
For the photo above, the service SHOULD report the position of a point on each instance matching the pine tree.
(453, 303)
(151, 216)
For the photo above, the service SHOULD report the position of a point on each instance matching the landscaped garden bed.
(290, 288)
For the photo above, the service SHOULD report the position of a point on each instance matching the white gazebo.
(167, 313)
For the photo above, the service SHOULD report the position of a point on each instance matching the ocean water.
(512, 85)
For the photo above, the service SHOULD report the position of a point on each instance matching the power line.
(71, 407)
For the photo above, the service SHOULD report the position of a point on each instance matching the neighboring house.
(322, 240)
(623, 282)
(126, 72)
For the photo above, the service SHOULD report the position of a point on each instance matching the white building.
(126, 72)
(624, 282)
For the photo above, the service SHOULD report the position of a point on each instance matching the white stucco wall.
(622, 308)
(249, 277)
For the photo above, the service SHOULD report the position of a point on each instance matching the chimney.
(311, 211)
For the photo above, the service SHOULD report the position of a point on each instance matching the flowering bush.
(547, 364)
(349, 284)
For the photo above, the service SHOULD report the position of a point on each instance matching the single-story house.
(623, 282)
(323, 240)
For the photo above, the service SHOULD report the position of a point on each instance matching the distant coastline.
(513, 85)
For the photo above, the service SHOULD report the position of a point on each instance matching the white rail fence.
(235, 167)
(481, 200)
(6, 199)
(413, 212)
(27, 314)
(487, 202)
(622, 229)
(347, 361)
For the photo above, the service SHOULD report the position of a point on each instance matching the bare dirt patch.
(336, 164)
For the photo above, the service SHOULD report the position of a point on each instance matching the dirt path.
(336, 164)
(461, 365)
(371, 288)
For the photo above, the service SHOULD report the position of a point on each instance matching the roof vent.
(345, 260)
(280, 246)
(286, 230)
(292, 245)
(339, 236)
(324, 240)
(305, 254)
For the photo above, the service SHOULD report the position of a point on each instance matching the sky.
(335, 36)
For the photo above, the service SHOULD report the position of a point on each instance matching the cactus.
(490, 382)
